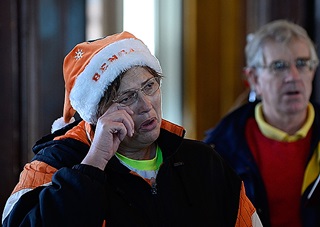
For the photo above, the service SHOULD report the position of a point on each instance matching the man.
(273, 144)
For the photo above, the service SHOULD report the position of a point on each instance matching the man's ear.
(251, 77)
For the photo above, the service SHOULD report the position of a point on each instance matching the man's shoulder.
(233, 122)
(316, 106)
(246, 110)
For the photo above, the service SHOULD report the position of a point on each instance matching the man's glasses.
(281, 67)
(130, 96)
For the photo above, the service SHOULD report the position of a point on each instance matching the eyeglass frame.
(309, 64)
(136, 91)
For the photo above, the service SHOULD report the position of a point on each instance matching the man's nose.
(292, 73)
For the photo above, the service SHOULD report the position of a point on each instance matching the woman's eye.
(148, 86)
(125, 98)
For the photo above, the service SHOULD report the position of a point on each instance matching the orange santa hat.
(92, 66)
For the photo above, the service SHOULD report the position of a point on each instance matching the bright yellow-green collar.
(152, 164)
(279, 135)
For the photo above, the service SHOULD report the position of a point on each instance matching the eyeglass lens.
(129, 97)
(280, 66)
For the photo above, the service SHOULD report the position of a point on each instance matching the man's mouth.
(292, 93)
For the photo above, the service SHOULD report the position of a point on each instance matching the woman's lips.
(148, 125)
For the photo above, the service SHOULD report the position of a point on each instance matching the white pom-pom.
(59, 123)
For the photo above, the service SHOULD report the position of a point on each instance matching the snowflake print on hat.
(79, 54)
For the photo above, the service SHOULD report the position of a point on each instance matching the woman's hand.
(112, 127)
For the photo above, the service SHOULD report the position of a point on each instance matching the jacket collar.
(81, 131)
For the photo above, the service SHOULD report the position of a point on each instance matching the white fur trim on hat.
(103, 69)
(59, 123)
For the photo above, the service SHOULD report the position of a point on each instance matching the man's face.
(287, 92)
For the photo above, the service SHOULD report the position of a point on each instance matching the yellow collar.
(279, 135)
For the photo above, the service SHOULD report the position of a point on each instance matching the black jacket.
(194, 187)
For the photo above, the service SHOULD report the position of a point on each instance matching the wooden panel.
(9, 118)
(294, 11)
(316, 38)
(189, 70)
(232, 43)
(214, 42)
(49, 30)
(263, 11)
(35, 37)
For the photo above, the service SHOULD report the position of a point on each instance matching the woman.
(121, 164)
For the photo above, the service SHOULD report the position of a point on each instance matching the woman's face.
(147, 108)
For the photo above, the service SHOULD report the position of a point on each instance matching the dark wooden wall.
(35, 35)
(214, 36)
(9, 99)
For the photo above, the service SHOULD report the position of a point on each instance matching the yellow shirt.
(279, 135)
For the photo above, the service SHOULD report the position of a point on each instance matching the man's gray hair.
(278, 31)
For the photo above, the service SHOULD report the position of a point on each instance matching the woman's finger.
(119, 114)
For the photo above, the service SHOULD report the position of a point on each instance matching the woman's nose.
(143, 103)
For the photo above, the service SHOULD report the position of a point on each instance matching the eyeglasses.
(280, 67)
(130, 96)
